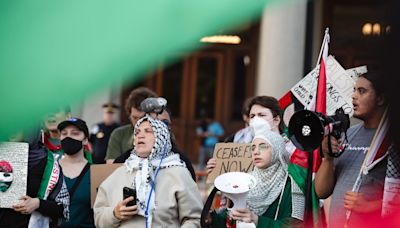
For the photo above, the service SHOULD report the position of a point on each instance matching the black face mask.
(71, 146)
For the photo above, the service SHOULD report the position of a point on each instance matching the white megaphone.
(236, 186)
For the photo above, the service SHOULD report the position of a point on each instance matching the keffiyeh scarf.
(48, 191)
(272, 180)
(161, 156)
(391, 195)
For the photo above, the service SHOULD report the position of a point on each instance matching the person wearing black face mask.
(74, 136)
(71, 146)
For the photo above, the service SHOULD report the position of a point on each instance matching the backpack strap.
(78, 180)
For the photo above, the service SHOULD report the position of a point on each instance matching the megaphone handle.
(321, 153)
(330, 152)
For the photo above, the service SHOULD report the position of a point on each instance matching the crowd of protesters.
(163, 179)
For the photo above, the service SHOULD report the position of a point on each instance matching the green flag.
(57, 52)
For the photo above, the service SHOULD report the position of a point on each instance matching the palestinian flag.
(299, 161)
(302, 166)
(312, 211)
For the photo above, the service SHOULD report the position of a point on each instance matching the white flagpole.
(326, 39)
(364, 166)
(323, 45)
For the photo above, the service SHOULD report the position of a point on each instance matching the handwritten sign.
(231, 157)
(339, 86)
(13, 172)
(356, 72)
(98, 173)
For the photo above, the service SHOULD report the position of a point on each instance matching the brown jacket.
(178, 201)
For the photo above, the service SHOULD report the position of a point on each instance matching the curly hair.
(136, 97)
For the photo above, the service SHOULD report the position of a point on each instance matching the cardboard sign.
(98, 173)
(13, 172)
(231, 157)
(339, 86)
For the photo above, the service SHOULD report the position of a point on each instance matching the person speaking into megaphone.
(355, 195)
(276, 200)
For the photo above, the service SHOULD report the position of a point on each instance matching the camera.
(153, 105)
(307, 129)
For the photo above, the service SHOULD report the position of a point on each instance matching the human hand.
(335, 145)
(356, 202)
(244, 215)
(211, 165)
(27, 206)
(123, 212)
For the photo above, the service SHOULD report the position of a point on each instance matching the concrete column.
(282, 45)
(319, 31)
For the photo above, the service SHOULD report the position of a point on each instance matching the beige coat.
(178, 201)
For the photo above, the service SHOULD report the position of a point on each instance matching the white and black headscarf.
(146, 167)
(272, 180)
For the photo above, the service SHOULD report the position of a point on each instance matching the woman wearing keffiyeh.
(166, 193)
(276, 200)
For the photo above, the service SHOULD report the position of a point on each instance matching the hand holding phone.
(127, 192)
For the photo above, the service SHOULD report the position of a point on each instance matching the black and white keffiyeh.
(63, 199)
(146, 167)
(272, 180)
(391, 195)
(60, 195)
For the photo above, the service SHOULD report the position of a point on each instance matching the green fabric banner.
(55, 53)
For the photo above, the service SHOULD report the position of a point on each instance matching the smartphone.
(127, 192)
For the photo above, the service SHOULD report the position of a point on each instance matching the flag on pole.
(379, 145)
(77, 48)
(298, 164)
(302, 166)
(377, 151)
(312, 201)
(321, 89)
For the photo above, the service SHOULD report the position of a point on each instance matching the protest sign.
(339, 86)
(355, 72)
(231, 157)
(13, 172)
(98, 173)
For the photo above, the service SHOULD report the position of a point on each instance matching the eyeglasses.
(262, 147)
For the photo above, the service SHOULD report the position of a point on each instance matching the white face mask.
(258, 124)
